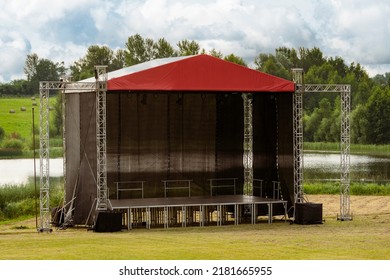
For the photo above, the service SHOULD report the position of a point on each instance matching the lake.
(316, 167)
(362, 168)
(18, 171)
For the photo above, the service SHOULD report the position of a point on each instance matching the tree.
(41, 69)
(30, 67)
(378, 117)
(119, 60)
(139, 50)
(359, 125)
(235, 59)
(317, 124)
(188, 47)
(270, 64)
(164, 49)
(96, 55)
(57, 125)
(382, 79)
(215, 53)
(310, 57)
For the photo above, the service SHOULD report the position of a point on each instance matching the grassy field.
(366, 149)
(20, 121)
(366, 237)
(356, 188)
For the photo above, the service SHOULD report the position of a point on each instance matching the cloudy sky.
(62, 30)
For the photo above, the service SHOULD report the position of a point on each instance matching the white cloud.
(357, 30)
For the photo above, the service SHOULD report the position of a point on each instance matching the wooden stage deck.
(196, 210)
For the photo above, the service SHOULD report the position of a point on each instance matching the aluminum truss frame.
(44, 190)
(66, 80)
(248, 144)
(345, 94)
(297, 77)
(101, 145)
(345, 146)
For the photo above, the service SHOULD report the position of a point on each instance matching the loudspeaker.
(308, 213)
(108, 222)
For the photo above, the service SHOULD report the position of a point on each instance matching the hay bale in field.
(34, 104)
(23, 109)
(12, 111)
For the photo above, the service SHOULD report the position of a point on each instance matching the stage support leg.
(236, 214)
(297, 75)
(345, 211)
(248, 144)
(270, 214)
(45, 215)
(201, 215)
(128, 219)
(101, 146)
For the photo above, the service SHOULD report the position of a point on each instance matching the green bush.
(2, 133)
(356, 188)
(13, 144)
(12, 147)
(20, 208)
(19, 200)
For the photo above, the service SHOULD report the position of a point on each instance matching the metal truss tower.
(248, 144)
(44, 192)
(345, 145)
(345, 94)
(65, 80)
(297, 76)
(101, 146)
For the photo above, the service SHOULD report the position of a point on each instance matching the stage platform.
(194, 211)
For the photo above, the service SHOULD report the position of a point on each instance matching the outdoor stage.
(197, 210)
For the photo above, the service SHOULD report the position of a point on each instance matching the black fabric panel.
(273, 142)
(191, 139)
(230, 139)
(154, 136)
(265, 140)
(285, 146)
(137, 140)
(86, 187)
(72, 128)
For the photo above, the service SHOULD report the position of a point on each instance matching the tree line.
(370, 118)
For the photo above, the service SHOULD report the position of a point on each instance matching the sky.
(62, 30)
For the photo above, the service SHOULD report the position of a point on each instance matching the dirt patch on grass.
(360, 205)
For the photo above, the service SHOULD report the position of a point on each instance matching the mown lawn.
(21, 121)
(366, 237)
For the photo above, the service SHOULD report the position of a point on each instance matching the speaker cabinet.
(308, 213)
(108, 222)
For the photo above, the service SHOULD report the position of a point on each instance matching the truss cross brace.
(345, 94)
(101, 146)
(45, 87)
(248, 144)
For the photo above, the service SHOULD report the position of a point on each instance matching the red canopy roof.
(201, 73)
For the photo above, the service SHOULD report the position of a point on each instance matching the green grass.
(20, 200)
(366, 237)
(366, 149)
(20, 121)
(356, 188)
